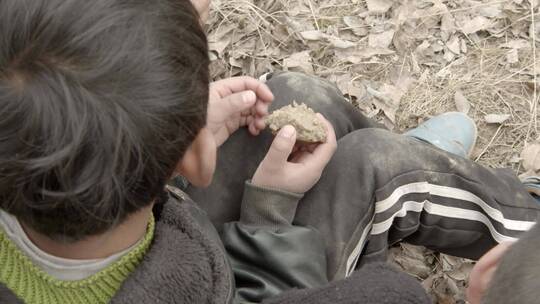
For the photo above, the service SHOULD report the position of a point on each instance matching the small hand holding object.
(290, 168)
(237, 102)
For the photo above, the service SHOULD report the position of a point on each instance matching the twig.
(489, 144)
(460, 9)
(511, 75)
(313, 14)
(534, 104)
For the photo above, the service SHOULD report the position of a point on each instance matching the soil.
(309, 128)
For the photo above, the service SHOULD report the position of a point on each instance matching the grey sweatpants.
(379, 188)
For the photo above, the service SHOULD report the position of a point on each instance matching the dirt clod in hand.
(309, 128)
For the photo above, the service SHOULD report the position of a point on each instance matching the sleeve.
(373, 284)
(269, 254)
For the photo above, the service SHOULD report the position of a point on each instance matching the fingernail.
(287, 131)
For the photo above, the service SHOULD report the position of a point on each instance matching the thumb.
(282, 146)
(239, 102)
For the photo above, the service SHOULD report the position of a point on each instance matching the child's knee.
(313, 91)
(370, 143)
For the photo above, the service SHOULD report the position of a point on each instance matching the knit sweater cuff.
(263, 206)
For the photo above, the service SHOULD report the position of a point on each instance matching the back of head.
(98, 101)
(516, 279)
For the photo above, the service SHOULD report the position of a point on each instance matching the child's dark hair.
(99, 100)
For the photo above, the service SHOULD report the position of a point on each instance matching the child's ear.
(483, 272)
(199, 161)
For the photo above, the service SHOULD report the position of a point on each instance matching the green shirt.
(34, 286)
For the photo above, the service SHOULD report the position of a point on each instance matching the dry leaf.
(464, 47)
(357, 25)
(424, 50)
(219, 39)
(462, 272)
(478, 23)
(512, 56)
(219, 46)
(462, 104)
(449, 56)
(220, 32)
(534, 30)
(381, 40)
(416, 252)
(357, 56)
(448, 26)
(299, 62)
(349, 87)
(312, 35)
(496, 118)
(437, 47)
(334, 41)
(516, 44)
(411, 259)
(490, 11)
(454, 45)
(236, 62)
(531, 157)
(340, 43)
(403, 41)
(449, 262)
(295, 26)
(412, 265)
(379, 6)
(388, 97)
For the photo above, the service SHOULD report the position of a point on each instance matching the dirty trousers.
(379, 188)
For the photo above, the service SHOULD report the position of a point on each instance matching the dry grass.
(490, 88)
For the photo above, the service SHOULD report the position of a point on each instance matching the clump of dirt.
(309, 128)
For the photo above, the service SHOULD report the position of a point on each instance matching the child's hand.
(289, 168)
(237, 102)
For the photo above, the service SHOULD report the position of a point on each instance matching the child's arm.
(268, 253)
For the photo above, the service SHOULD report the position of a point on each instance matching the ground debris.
(444, 277)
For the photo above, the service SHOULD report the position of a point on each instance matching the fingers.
(231, 87)
(253, 129)
(244, 83)
(331, 134)
(322, 154)
(260, 123)
(261, 108)
(281, 147)
(263, 94)
(238, 102)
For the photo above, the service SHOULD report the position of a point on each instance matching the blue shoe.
(532, 185)
(453, 132)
